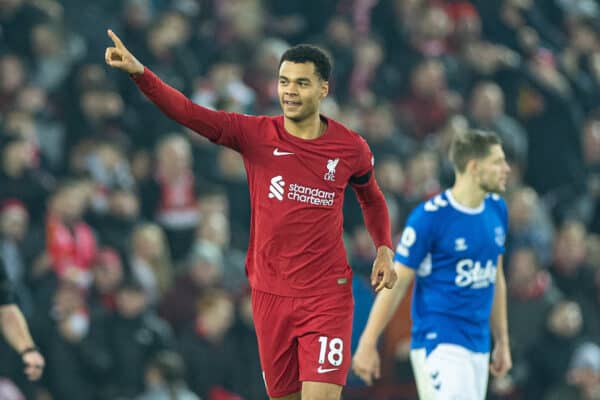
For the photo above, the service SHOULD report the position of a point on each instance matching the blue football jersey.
(454, 251)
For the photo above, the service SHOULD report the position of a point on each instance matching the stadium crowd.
(125, 235)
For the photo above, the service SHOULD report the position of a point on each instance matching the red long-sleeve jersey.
(296, 191)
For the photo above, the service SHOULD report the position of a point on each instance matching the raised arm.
(209, 123)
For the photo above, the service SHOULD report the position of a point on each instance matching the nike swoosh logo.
(322, 370)
(276, 152)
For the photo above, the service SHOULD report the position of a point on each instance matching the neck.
(466, 192)
(309, 128)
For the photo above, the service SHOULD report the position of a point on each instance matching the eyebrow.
(301, 79)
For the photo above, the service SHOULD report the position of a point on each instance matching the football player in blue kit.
(452, 245)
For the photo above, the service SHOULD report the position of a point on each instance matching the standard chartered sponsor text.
(314, 196)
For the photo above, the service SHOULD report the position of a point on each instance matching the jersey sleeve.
(364, 164)
(236, 131)
(504, 217)
(417, 237)
(6, 293)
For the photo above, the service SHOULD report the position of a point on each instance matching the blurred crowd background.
(125, 235)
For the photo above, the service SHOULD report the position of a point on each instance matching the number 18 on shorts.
(303, 339)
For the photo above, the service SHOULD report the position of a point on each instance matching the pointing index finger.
(116, 39)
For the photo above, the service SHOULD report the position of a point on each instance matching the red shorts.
(303, 339)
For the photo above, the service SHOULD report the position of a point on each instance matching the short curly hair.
(303, 53)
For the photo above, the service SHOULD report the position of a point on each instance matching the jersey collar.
(464, 209)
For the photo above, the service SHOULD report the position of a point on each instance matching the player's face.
(300, 90)
(492, 171)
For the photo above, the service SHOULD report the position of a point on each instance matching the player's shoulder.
(428, 211)
(339, 129)
(495, 202)
(435, 205)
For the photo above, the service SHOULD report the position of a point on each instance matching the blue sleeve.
(416, 239)
(504, 216)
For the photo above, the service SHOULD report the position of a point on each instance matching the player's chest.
(475, 238)
(324, 167)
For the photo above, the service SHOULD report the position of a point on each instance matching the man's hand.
(120, 57)
(34, 364)
(383, 274)
(366, 363)
(501, 359)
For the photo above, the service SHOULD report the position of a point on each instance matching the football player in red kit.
(298, 166)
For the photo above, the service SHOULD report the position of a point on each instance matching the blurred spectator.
(14, 226)
(18, 18)
(76, 360)
(552, 117)
(224, 89)
(576, 61)
(384, 136)
(422, 180)
(204, 270)
(135, 334)
(115, 226)
(12, 78)
(368, 72)
(531, 295)
(487, 113)
(426, 108)
(590, 144)
(14, 222)
(248, 365)
(21, 124)
(19, 179)
(97, 113)
(214, 231)
(208, 347)
(150, 261)
(231, 175)
(165, 379)
(108, 167)
(338, 40)
(170, 196)
(260, 73)
(108, 274)
(563, 335)
(573, 276)
(54, 52)
(70, 241)
(583, 375)
(391, 177)
(167, 53)
(34, 101)
(530, 224)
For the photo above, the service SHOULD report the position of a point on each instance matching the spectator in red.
(170, 197)
(428, 106)
(70, 241)
(107, 277)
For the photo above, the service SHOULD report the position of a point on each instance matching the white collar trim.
(464, 209)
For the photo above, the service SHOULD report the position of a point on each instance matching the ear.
(324, 89)
(472, 166)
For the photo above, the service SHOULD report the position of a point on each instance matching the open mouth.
(291, 103)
